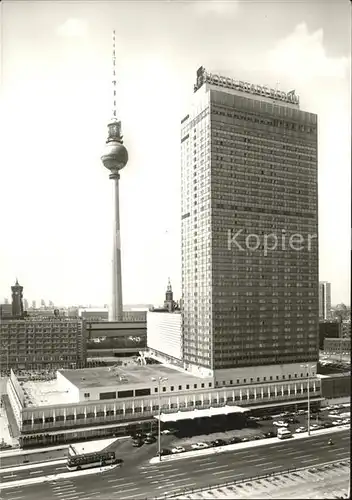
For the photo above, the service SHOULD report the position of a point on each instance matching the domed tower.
(115, 157)
(17, 300)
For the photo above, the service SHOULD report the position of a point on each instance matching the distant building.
(324, 300)
(5, 311)
(6, 300)
(38, 344)
(164, 330)
(25, 304)
(328, 329)
(337, 346)
(34, 304)
(346, 328)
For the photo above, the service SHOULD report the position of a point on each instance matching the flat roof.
(90, 446)
(123, 375)
(207, 412)
(45, 393)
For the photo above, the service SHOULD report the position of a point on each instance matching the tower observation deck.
(115, 158)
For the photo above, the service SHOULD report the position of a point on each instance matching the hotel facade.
(248, 180)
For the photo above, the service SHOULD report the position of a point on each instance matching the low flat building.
(328, 329)
(115, 338)
(87, 403)
(337, 346)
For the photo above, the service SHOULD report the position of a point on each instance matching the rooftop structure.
(46, 393)
(120, 377)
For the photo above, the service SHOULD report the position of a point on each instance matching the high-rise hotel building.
(249, 232)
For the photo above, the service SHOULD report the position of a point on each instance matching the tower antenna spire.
(114, 82)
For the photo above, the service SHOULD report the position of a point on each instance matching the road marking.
(271, 468)
(135, 495)
(226, 466)
(11, 475)
(36, 472)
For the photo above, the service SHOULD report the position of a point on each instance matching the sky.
(55, 195)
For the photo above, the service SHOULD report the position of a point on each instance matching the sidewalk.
(242, 446)
(33, 451)
(54, 478)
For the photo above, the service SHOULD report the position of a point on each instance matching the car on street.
(149, 440)
(301, 429)
(199, 446)
(164, 452)
(269, 434)
(166, 431)
(280, 423)
(256, 438)
(218, 442)
(137, 443)
(326, 425)
(244, 439)
(301, 412)
(234, 440)
(337, 422)
(267, 417)
(178, 449)
(315, 427)
(292, 420)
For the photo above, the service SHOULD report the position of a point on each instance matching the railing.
(183, 492)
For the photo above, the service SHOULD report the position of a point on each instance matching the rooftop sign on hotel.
(222, 81)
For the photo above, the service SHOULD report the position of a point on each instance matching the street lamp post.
(308, 391)
(159, 380)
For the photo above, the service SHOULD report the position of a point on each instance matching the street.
(139, 479)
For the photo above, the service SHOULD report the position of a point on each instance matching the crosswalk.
(326, 481)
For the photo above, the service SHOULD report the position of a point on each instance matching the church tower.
(169, 298)
(17, 300)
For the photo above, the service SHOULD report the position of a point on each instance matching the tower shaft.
(116, 306)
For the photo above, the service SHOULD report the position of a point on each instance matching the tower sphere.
(115, 156)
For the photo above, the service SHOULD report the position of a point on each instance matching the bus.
(88, 460)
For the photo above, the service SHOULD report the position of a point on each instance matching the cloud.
(301, 57)
(217, 7)
(73, 28)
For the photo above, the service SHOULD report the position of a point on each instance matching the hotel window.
(209, 384)
(86, 395)
(187, 386)
(231, 382)
(156, 389)
(277, 377)
(180, 387)
(238, 381)
(172, 388)
(202, 386)
(264, 379)
(195, 386)
(258, 379)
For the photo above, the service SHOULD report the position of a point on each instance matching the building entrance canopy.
(208, 412)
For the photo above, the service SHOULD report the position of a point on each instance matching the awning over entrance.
(208, 412)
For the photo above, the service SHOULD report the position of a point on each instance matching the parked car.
(218, 442)
(244, 439)
(327, 424)
(199, 446)
(164, 451)
(269, 434)
(301, 429)
(337, 422)
(292, 420)
(267, 417)
(178, 449)
(256, 438)
(234, 440)
(280, 423)
(149, 440)
(166, 431)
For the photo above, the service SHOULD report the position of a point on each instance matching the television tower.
(115, 157)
